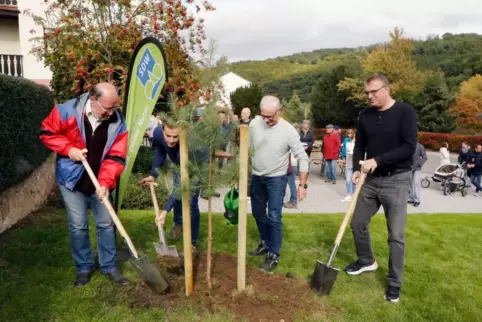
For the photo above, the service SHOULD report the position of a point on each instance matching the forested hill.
(458, 56)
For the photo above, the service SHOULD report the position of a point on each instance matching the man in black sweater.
(387, 134)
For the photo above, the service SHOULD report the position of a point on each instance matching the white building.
(15, 33)
(231, 82)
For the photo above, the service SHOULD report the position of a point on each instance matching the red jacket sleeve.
(114, 163)
(52, 133)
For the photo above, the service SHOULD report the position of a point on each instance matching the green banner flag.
(146, 77)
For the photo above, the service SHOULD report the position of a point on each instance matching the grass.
(442, 276)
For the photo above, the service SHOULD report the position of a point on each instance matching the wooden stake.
(210, 224)
(186, 211)
(243, 193)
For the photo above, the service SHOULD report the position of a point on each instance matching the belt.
(391, 173)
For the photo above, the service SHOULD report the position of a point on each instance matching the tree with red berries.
(92, 41)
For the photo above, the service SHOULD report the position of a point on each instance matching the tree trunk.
(210, 225)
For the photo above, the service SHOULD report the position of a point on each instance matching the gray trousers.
(414, 190)
(390, 192)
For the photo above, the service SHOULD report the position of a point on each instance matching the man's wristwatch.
(304, 185)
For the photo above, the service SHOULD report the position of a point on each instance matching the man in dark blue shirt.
(166, 144)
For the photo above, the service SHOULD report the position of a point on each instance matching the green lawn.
(442, 276)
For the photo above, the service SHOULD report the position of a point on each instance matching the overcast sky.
(260, 29)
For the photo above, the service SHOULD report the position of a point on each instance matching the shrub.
(144, 159)
(23, 106)
(434, 141)
(136, 196)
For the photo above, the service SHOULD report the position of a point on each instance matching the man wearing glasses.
(387, 133)
(89, 126)
(271, 139)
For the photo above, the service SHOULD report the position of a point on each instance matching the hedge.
(23, 106)
(431, 141)
(434, 141)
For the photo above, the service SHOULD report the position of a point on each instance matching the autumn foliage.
(86, 42)
(468, 104)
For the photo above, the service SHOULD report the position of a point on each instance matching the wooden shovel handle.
(156, 210)
(351, 207)
(111, 210)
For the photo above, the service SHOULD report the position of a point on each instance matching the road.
(326, 198)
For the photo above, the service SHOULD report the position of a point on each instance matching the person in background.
(245, 116)
(343, 145)
(153, 123)
(349, 147)
(293, 202)
(444, 154)
(419, 159)
(464, 157)
(272, 139)
(331, 152)
(307, 138)
(338, 131)
(475, 166)
(91, 127)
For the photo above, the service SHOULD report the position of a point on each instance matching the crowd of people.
(385, 138)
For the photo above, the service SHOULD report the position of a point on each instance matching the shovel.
(161, 249)
(143, 267)
(324, 276)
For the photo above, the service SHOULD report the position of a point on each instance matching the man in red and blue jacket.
(89, 126)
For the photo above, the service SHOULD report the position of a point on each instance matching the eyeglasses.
(270, 118)
(374, 91)
(110, 109)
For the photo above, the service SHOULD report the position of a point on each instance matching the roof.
(231, 82)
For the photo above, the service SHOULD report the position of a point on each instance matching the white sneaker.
(346, 199)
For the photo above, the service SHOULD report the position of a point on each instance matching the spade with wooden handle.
(324, 275)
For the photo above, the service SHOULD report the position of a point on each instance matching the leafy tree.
(295, 111)
(432, 105)
(247, 96)
(395, 61)
(468, 104)
(331, 105)
(93, 41)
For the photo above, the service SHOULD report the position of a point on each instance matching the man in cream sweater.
(271, 140)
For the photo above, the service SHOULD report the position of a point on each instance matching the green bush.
(23, 106)
(144, 159)
(139, 197)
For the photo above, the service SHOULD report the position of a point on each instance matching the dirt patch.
(268, 297)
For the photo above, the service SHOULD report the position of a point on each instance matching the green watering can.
(231, 206)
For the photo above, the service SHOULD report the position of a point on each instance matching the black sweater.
(389, 136)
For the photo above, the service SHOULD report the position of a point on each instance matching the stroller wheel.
(464, 193)
(425, 183)
(447, 189)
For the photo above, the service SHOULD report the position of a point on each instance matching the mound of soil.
(268, 297)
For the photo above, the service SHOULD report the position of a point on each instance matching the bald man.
(245, 116)
(272, 139)
(89, 126)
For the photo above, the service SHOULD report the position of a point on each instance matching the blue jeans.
(331, 169)
(268, 191)
(195, 214)
(292, 184)
(475, 180)
(76, 204)
(350, 186)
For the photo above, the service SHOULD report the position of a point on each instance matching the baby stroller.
(451, 176)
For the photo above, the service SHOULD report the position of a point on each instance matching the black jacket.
(475, 158)
(464, 156)
(307, 138)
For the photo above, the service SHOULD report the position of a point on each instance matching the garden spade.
(161, 249)
(324, 276)
(147, 271)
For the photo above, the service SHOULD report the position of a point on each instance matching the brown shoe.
(175, 233)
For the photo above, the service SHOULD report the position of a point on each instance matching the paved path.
(326, 198)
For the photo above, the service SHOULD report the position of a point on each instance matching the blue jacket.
(162, 150)
(64, 129)
(343, 147)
